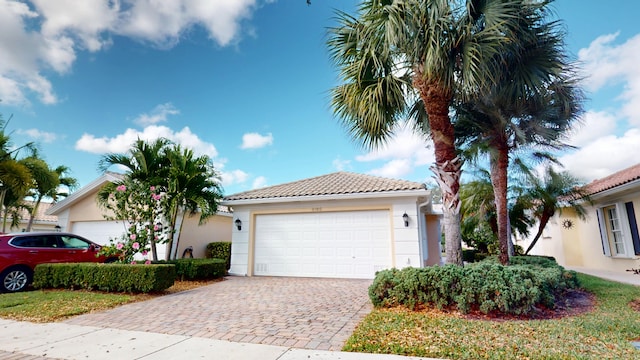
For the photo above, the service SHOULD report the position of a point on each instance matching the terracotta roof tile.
(40, 214)
(330, 184)
(616, 179)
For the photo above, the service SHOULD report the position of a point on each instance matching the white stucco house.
(340, 225)
(608, 238)
(80, 214)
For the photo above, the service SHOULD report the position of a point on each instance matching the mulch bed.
(575, 302)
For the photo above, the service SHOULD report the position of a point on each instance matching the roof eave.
(80, 194)
(616, 189)
(352, 196)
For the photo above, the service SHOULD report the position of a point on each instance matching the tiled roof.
(616, 179)
(40, 214)
(331, 184)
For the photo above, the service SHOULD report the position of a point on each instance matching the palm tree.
(532, 105)
(15, 177)
(550, 194)
(145, 161)
(47, 185)
(193, 186)
(411, 59)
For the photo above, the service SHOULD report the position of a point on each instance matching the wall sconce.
(238, 224)
(58, 228)
(405, 217)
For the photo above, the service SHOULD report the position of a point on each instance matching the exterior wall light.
(58, 228)
(238, 224)
(405, 217)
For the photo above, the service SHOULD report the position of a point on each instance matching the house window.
(619, 230)
(614, 230)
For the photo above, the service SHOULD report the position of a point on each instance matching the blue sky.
(247, 82)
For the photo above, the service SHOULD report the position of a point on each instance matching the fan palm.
(531, 107)
(47, 184)
(408, 60)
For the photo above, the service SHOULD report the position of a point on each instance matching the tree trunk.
(32, 215)
(448, 166)
(543, 223)
(499, 163)
(176, 235)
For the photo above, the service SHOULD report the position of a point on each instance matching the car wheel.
(15, 279)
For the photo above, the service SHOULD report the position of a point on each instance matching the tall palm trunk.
(33, 213)
(543, 223)
(448, 166)
(499, 164)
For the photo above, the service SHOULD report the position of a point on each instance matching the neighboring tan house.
(340, 225)
(608, 238)
(80, 214)
(41, 222)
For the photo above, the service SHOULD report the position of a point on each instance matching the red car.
(21, 252)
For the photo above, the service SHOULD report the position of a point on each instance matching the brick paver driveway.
(297, 312)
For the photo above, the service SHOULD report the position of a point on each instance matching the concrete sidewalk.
(27, 341)
(625, 277)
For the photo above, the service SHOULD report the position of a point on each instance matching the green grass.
(604, 333)
(53, 305)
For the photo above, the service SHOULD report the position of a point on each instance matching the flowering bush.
(142, 207)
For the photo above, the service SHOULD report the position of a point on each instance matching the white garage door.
(352, 244)
(101, 231)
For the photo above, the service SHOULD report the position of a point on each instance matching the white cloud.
(394, 169)
(158, 114)
(606, 63)
(44, 35)
(259, 182)
(595, 124)
(46, 137)
(341, 165)
(233, 177)
(404, 151)
(122, 142)
(603, 156)
(256, 141)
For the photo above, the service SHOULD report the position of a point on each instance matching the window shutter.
(603, 233)
(633, 225)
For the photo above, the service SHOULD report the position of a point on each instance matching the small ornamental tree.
(140, 207)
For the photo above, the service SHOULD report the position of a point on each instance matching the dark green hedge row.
(197, 269)
(220, 250)
(105, 277)
(485, 286)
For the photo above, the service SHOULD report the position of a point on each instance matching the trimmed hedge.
(105, 277)
(485, 286)
(220, 250)
(197, 269)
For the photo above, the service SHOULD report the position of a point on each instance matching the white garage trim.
(321, 242)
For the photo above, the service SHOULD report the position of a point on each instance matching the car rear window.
(35, 241)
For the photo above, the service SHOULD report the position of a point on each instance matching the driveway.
(307, 313)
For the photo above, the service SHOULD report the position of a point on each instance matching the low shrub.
(197, 269)
(105, 277)
(486, 286)
(220, 250)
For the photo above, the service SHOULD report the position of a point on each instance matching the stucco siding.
(217, 228)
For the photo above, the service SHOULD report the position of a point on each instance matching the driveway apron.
(307, 313)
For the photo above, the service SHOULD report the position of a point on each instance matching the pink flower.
(119, 246)
(147, 262)
(121, 188)
(132, 236)
(153, 188)
(144, 252)
(133, 262)
(156, 227)
(156, 197)
(135, 245)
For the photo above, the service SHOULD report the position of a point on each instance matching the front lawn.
(56, 305)
(604, 333)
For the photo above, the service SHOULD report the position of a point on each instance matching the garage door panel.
(336, 244)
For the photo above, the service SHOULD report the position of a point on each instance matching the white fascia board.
(633, 185)
(370, 195)
(78, 195)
